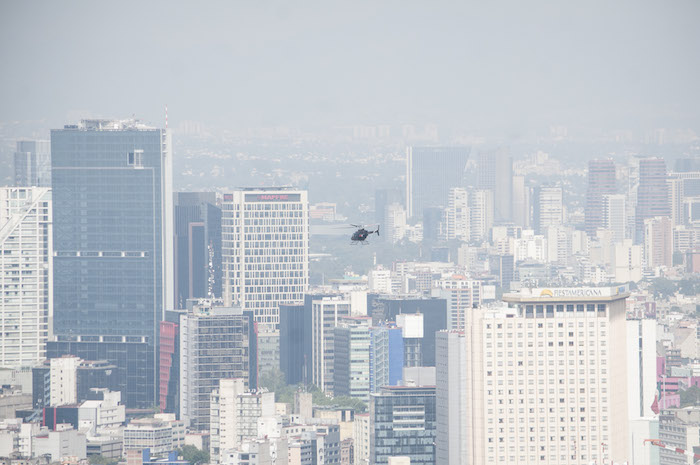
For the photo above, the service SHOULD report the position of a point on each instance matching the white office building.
(548, 379)
(461, 295)
(558, 243)
(63, 374)
(265, 249)
(548, 208)
(326, 314)
(102, 417)
(480, 214)
(26, 280)
(641, 372)
(379, 280)
(360, 438)
(627, 262)
(161, 434)
(395, 217)
(530, 246)
(235, 414)
(615, 215)
(62, 443)
(457, 214)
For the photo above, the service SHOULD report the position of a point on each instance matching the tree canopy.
(193, 455)
(102, 460)
(274, 381)
(690, 396)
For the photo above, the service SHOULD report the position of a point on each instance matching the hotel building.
(547, 379)
(265, 249)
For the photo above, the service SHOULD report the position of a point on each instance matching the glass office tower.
(112, 183)
(33, 163)
(197, 225)
(403, 423)
(430, 173)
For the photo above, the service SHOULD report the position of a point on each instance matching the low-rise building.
(160, 434)
(234, 415)
(12, 400)
(63, 442)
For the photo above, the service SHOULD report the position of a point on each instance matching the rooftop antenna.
(166, 116)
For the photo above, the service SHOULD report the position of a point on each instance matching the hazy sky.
(486, 64)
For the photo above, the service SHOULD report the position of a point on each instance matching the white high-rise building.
(675, 199)
(326, 314)
(530, 247)
(480, 214)
(457, 214)
(361, 438)
(641, 372)
(265, 249)
(395, 217)
(548, 208)
(461, 296)
(223, 416)
(234, 415)
(548, 379)
(379, 280)
(26, 277)
(63, 375)
(450, 400)
(521, 202)
(558, 243)
(615, 216)
(627, 262)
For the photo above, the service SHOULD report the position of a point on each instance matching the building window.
(135, 158)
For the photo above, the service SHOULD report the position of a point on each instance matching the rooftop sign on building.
(572, 292)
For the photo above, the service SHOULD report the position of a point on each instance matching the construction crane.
(658, 443)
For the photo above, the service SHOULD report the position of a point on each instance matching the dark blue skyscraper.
(293, 334)
(495, 173)
(432, 224)
(430, 173)
(652, 193)
(112, 231)
(197, 223)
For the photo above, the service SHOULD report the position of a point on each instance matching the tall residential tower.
(26, 257)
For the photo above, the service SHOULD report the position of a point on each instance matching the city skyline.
(349, 234)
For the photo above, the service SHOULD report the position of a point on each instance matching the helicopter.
(361, 234)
